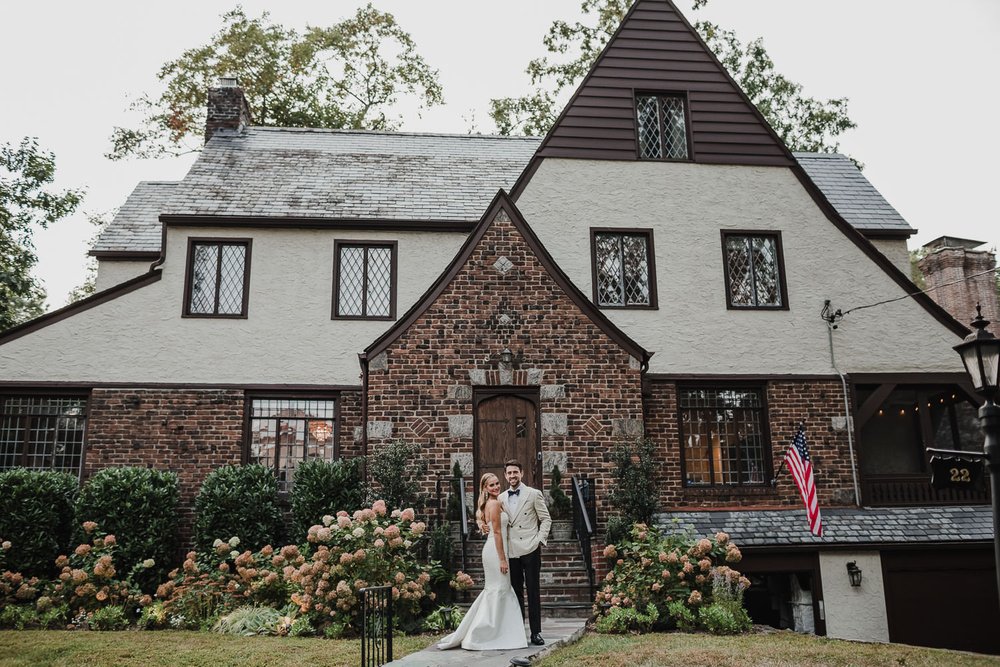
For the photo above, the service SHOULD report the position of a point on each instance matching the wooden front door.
(507, 428)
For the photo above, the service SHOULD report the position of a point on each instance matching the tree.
(347, 75)
(89, 286)
(26, 204)
(803, 123)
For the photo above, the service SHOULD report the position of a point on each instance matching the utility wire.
(912, 294)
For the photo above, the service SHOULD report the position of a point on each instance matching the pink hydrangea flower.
(408, 514)
(379, 507)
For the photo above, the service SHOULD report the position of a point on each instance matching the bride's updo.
(484, 495)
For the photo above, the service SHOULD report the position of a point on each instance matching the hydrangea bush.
(676, 574)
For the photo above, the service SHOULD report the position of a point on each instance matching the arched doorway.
(507, 428)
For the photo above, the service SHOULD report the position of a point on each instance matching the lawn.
(194, 649)
(773, 649)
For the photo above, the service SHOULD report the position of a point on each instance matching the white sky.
(921, 77)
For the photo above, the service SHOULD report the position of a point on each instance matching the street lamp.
(980, 353)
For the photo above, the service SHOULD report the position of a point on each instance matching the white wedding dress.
(494, 620)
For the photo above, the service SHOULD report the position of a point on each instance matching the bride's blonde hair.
(484, 496)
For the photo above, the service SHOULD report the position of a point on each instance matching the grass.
(777, 649)
(173, 647)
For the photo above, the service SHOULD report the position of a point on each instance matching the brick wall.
(948, 270)
(227, 110)
(421, 390)
(817, 403)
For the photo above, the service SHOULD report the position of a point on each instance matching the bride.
(494, 620)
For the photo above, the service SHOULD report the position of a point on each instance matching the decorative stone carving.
(419, 427)
(554, 424)
(506, 376)
(634, 363)
(503, 265)
(504, 319)
(460, 392)
(593, 426)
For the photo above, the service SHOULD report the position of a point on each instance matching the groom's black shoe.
(537, 640)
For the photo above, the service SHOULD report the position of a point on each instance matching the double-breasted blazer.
(529, 526)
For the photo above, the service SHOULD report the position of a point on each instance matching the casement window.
(661, 121)
(724, 436)
(42, 432)
(754, 270)
(624, 274)
(217, 280)
(284, 432)
(364, 280)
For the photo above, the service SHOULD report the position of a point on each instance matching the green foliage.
(348, 75)
(36, 517)
(18, 617)
(443, 619)
(682, 615)
(724, 619)
(397, 470)
(441, 546)
(325, 487)
(91, 577)
(616, 529)
(803, 123)
(108, 618)
(560, 505)
(100, 222)
(26, 205)
(139, 507)
(239, 501)
(153, 617)
(619, 620)
(916, 275)
(634, 494)
(249, 621)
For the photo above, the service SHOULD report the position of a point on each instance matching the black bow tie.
(513, 493)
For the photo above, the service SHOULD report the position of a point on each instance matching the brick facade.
(588, 385)
(947, 274)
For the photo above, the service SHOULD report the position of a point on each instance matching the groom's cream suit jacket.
(529, 525)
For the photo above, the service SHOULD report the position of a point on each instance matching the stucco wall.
(896, 251)
(854, 613)
(111, 272)
(288, 337)
(692, 331)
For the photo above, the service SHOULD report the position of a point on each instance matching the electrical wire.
(912, 294)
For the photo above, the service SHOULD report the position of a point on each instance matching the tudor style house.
(658, 265)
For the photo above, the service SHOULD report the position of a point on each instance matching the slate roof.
(853, 195)
(136, 226)
(841, 526)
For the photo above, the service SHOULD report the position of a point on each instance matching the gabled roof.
(656, 50)
(853, 195)
(135, 227)
(503, 204)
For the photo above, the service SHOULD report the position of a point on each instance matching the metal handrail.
(463, 521)
(584, 530)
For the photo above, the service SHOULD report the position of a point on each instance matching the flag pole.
(774, 480)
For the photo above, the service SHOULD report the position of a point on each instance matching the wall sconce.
(854, 572)
(508, 358)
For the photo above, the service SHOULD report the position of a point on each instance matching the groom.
(527, 532)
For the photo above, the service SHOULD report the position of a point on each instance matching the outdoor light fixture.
(321, 430)
(854, 572)
(508, 358)
(980, 352)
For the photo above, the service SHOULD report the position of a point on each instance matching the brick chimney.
(953, 260)
(227, 108)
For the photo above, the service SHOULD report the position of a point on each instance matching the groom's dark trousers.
(527, 570)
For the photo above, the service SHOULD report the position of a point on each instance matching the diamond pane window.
(217, 278)
(623, 269)
(365, 281)
(723, 437)
(42, 432)
(754, 271)
(662, 127)
(284, 432)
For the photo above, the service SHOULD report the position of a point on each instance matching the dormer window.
(662, 127)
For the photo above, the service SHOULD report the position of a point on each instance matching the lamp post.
(980, 352)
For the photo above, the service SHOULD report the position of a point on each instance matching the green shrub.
(619, 620)
(239, 501)
(454, 508)
(153, 617)
(139, 507)
(682, 615)
(398, 471)
(108, 618)
(443, 619)
(634, 493)
(724, 619)
(249, 621)
(560, 505)
(324, 488)
(36, 517)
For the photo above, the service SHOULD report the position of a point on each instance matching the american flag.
(800, 465)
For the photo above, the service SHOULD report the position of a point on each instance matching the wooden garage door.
(942, 598)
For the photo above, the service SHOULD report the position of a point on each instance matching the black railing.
(376, 626)
(584, 520)
(457, 491)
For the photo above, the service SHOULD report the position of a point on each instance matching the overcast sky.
(921, 77)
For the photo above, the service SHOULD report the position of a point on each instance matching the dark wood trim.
(650, 263)
(532, 394)
(871, 404)
(219, 241)
(688, 135)
(887, 234)
(503, 202)
(716, 379)
(79, 306)
(292, 222)
(56, 386)
(125, 255)
(959, 378)
(782, 283)
(393, 277)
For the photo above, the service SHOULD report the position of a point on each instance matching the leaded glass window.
(662, 127)
(217, 278)
(42, 432)
(623, 268)
(365, 281)
(754, 271)
(723, 436)
(284, 432)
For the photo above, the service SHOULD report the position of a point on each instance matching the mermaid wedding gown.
(494, 620)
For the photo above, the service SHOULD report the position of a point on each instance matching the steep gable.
(655, 50)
